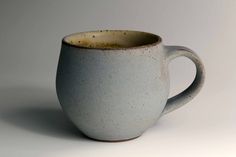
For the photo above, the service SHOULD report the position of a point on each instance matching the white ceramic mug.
(114, 84)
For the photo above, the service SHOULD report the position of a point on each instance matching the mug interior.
(112, 39)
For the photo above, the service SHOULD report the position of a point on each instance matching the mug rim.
(157, 42)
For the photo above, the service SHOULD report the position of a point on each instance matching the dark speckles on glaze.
(103, 44)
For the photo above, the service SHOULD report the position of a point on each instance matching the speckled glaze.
(116, 93)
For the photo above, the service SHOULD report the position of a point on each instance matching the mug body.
(112, 93)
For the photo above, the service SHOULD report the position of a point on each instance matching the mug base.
(100, 140)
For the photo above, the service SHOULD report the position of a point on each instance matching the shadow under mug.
(114, 84)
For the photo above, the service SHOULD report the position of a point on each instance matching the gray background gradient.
(31, 121)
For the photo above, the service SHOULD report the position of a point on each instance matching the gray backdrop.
(31, 121)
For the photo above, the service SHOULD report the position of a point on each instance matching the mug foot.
(99, 140)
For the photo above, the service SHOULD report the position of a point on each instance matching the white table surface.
(33, 124)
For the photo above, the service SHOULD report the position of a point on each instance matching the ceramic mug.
(114, 84)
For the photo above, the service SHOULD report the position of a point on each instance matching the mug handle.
(188, 94)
